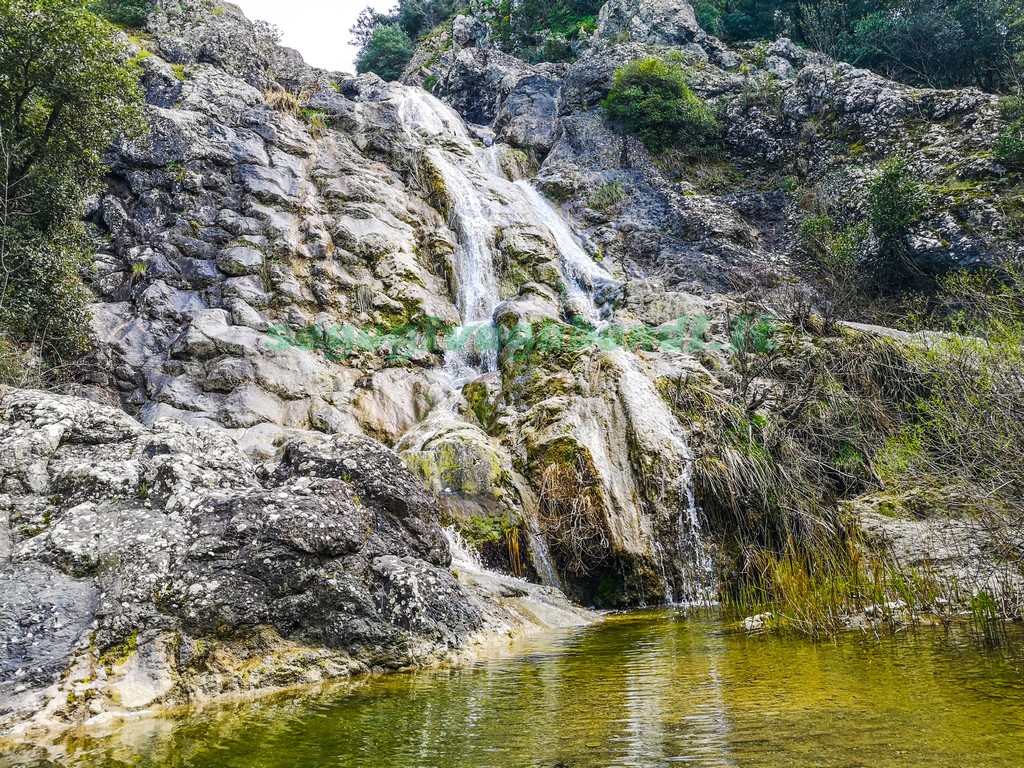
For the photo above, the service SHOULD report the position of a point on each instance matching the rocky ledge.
(148, 567)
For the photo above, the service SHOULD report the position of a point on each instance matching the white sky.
(315, 28)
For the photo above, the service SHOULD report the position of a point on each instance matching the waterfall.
(473, 219)
(583, 275)
(483, 199)
(464, 559)
(583, 278)
(474, 190)
(657, 431)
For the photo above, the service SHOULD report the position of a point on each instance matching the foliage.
(279, 99)
(832, 257)
(938, 43)
(608, 197)
(651, 98)
(66, 90)
(896, 201)
(1009, 147)
(126, 13)
(936, 420)
(540, 30)
(536, 30)
(571, 507)
(386, 53)
(967, 423)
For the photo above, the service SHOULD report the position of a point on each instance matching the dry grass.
(280, 100)
(571, 516)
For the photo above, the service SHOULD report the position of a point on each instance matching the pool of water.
(643, 689)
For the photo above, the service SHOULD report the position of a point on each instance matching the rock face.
(256, 221)
(145, 567)
(791, 117)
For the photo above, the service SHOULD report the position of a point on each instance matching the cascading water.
(469, 179)
(481, 198)
(583, 275)
(474, 260)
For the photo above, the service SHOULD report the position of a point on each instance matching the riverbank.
(516, 613)
(641, 689)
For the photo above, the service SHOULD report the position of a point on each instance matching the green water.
(644, 689)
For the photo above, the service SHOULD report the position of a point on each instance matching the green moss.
(118, 654)
(479, 400)
(434, 187)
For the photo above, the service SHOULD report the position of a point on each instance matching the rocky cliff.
(259, 502)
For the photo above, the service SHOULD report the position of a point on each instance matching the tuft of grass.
(280, 100)
(608, 197)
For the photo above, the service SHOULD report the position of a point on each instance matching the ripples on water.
(646, 689)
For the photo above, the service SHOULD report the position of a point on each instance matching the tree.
(651, 98)
(825, 26)
(128, 13)
(386, 53)
(939, 43)
(366, 23)
(66, 90)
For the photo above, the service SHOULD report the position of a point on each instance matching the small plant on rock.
(608, 197)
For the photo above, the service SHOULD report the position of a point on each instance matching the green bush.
(387, 52)
(126, 13)
(651, 98)
(896, 201)
(1009, 148)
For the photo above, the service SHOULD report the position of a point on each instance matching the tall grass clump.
(812, 424)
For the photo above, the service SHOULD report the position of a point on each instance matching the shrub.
(126, 13)
(896, 201)
(1009, 148)
(387, 52)
(651, 98)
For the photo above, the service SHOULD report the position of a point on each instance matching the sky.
(315, 28)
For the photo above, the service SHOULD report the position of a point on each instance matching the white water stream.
(482, 200)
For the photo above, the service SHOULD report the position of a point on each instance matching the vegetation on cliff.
(386, 52)
(66, 90)
(534, 30)
(935, 43)
(652, 98)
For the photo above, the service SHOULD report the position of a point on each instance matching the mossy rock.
(435, 190)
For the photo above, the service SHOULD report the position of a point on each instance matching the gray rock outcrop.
(143, 567)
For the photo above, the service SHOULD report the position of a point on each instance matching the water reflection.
(648, 689)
